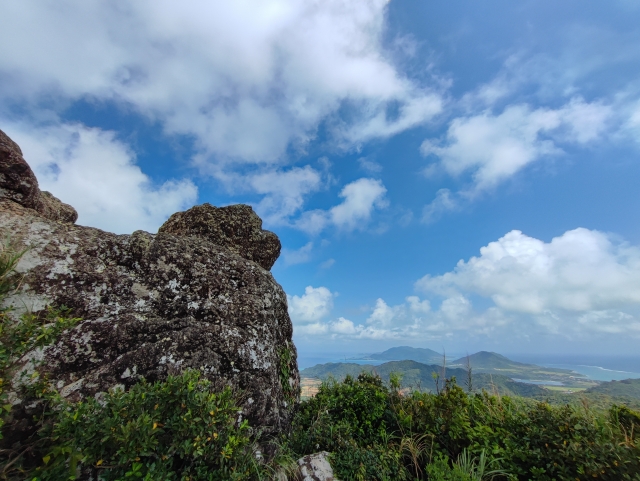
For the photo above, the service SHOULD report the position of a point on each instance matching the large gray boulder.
(154, 304)
(315, 467)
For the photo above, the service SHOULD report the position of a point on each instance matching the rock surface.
(315, 467)
(236, 227)
(19, 184)
(196, 295)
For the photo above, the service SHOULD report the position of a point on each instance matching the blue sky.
(452, 175)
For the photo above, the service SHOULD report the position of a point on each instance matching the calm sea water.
(598, 373)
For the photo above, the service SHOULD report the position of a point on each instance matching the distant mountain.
(416, 375)
(494, 363)
(489, 360)
(406, 353)
(420, 376)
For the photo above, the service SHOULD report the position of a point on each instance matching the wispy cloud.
(493, 147)
(361, 198)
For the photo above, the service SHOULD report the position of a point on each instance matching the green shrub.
(351, 420)
(177, 429)
(376, 433)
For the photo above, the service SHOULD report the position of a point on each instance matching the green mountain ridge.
(481, 362)
(488, 359)
(423, 377)
(430, 378)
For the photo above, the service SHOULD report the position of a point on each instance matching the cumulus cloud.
(246, 79)
(583, 284)
(93, 171)
(383, 315)
(315, 304)
(361, 197)
(495, 147)
(582, 270)
(412, 318)
(342, 326)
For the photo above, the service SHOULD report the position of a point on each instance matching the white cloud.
(580, 271)
(495, 147)
(247, 79)
(412, 319)
(284, 191)
(342, 326)
(361, 197)
(314, 329)
(417, 306)
(632, 125)
(383, 315)
(369, 166)
(327, 264)
(298, 256)
(583, 284)
(315, 304)
(96, 173)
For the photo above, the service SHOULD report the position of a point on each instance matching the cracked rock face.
(196, 295)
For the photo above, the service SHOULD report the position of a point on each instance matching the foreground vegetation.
(182, 429)
(374, 432)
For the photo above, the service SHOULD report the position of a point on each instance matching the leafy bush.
(350, 419)
(173, 430)
(376, 433)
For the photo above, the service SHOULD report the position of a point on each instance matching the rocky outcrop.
(197, 295)
(315, 467)
(236, 227)
(18, 183)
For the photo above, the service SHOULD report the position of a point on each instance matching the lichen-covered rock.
(315, 467)
(152, 305)
(17, 181)
(53, 208)
(236, 227)
(19, 184)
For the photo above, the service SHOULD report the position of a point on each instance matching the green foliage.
(10, 255)
(350, 420)
(178, 429)
(31, 331)
(17, 338)
(376, 433)
(285, 360)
